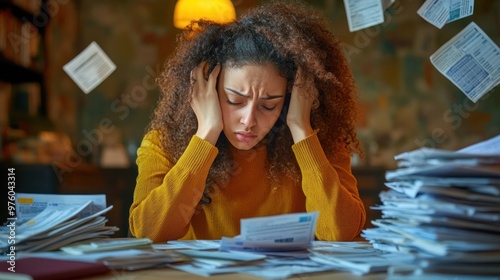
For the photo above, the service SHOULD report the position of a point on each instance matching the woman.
(257, 118)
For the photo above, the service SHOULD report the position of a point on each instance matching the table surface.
(168, 273)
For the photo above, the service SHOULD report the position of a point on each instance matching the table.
(168, 273)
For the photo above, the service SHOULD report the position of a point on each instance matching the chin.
(242, 145)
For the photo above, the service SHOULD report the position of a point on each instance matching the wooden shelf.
(17, 11)
(23, 54)
(15, 73)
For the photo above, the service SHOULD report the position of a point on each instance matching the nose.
(248, 117)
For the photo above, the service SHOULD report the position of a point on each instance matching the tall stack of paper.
(444, 208)
(53, 221)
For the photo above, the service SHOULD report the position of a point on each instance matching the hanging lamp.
(185, 11)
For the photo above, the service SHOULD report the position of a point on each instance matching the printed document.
(440, 12)
(90, 68)
(363, 13)
(288, 232)
(471, 61)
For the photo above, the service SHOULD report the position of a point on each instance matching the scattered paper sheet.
(90, 68)
(440, 12)
(287, 271)
(460, 9)
(288, 232)
(436, 12)
(189, 267)
(471, 61)
(29, 205)
(234, 256)
(188, 244)
(105, 245)
(363, 13)
(360, 261)
(487, 147)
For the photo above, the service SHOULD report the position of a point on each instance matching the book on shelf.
(20, 40)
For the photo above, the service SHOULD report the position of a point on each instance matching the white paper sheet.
(90, 68)
(488, 147)
(460, 9)
(363, 13)
(471, 61)
(288, 232)
(436, 12)
(359, 260)
(188, 244)
(440, 12)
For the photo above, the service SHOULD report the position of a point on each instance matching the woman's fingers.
(197, 73)
(212, 78)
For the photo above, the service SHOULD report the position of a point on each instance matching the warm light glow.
(185, 11)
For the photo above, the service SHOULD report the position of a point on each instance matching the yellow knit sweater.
(166, 196)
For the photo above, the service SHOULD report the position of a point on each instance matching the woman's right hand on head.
(205, 102)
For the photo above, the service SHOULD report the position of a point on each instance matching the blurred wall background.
(406, 103)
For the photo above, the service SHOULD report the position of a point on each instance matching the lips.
(245, 137)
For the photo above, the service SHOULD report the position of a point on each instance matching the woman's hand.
(298, 118)
(205, 102)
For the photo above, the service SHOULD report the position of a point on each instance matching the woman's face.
(251, 98)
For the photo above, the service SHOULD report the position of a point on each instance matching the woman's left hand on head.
(205, 102)
(304, 93)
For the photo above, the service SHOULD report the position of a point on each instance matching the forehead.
(253, 74)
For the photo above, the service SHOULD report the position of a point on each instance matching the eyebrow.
(269, 97)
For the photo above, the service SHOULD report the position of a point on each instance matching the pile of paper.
(207, 263)
(49, 222)
(107, 245)
(444, 208)
(272, 247)
(358, 257)
(206, 260)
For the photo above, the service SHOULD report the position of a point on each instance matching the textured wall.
(406, 103)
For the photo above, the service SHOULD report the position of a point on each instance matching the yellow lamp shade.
(185, 11)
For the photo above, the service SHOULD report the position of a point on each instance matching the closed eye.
(269, 108)
(232, 103)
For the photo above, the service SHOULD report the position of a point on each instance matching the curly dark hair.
(287, 34)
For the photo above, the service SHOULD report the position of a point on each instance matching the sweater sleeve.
(330, 188)
(166, 194)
